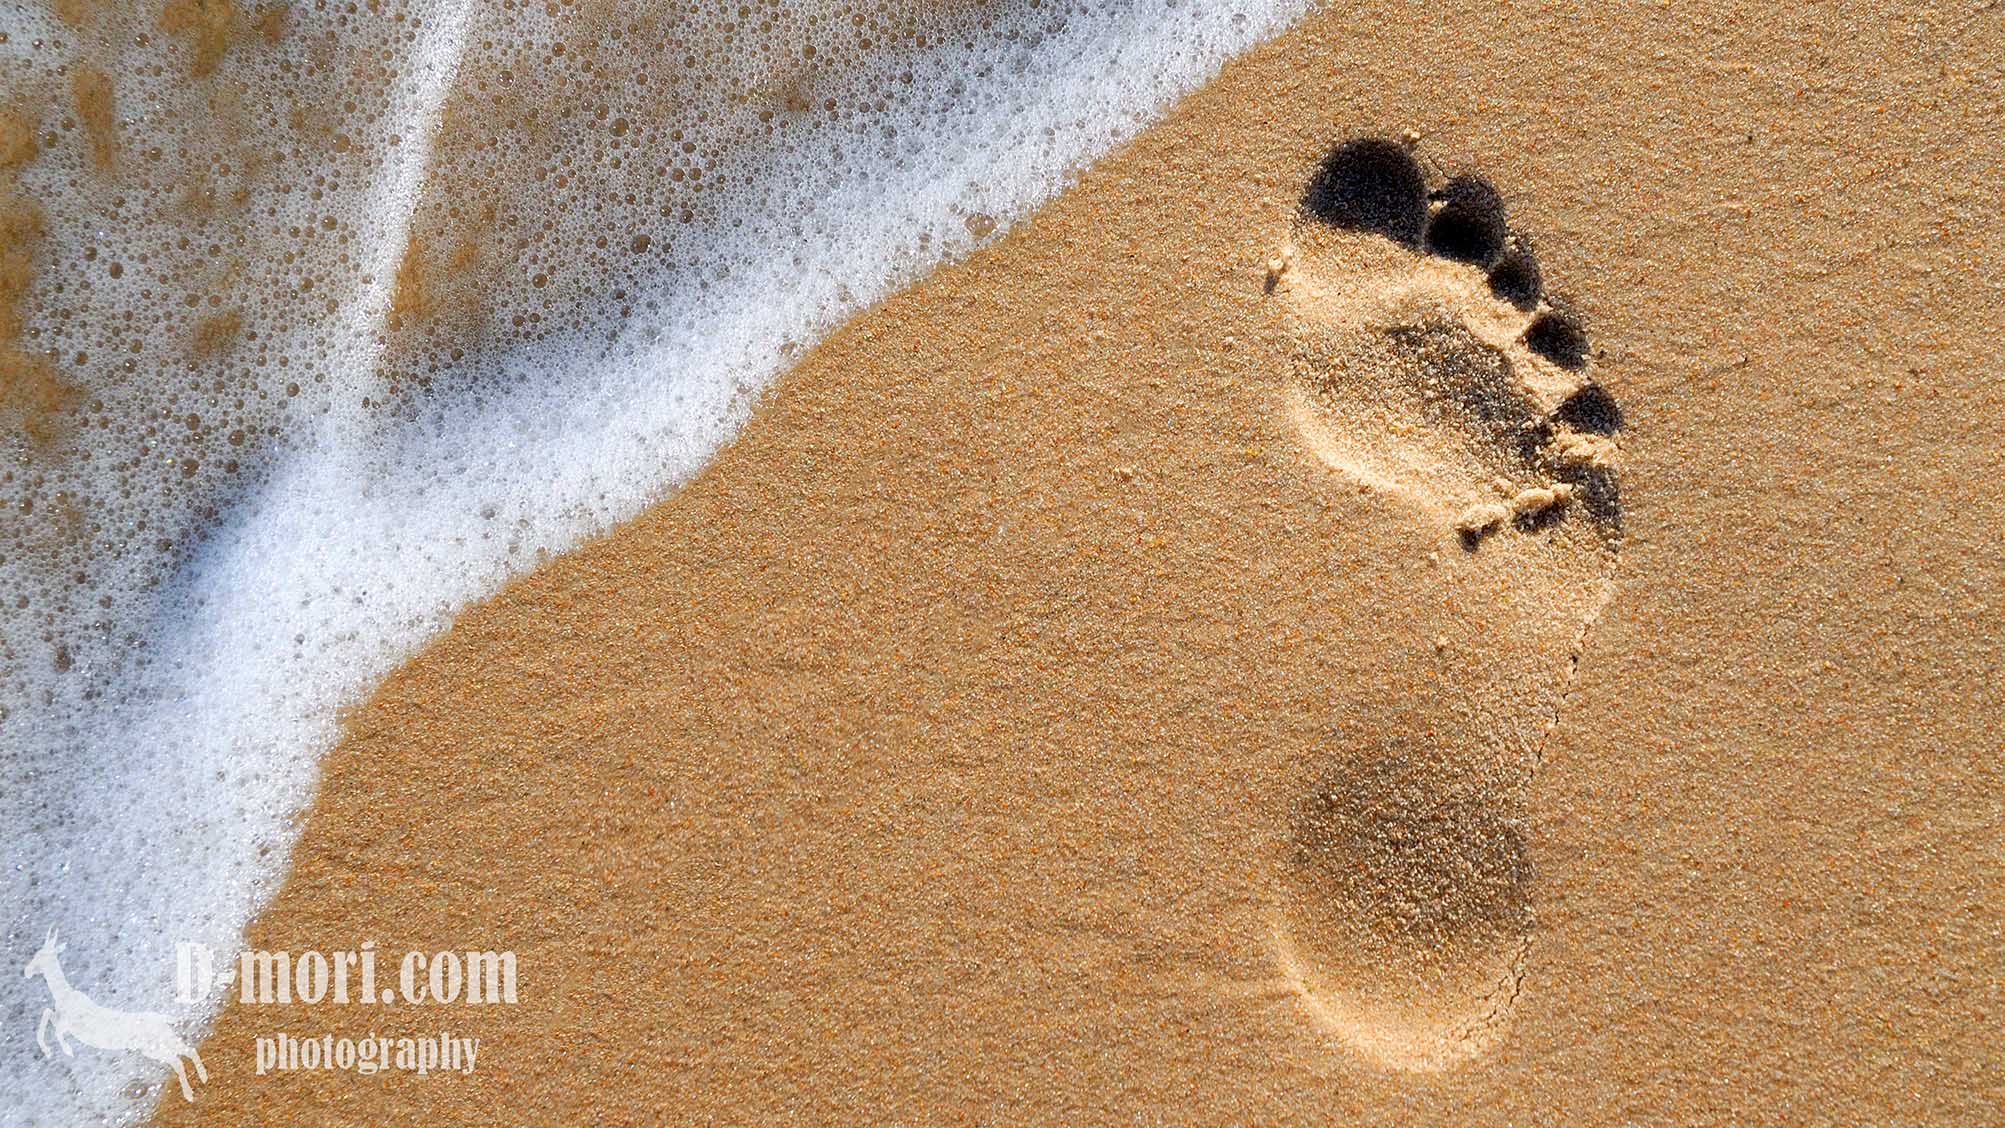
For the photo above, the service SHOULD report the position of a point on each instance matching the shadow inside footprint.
(1372, 185)
(1425, 864)
(1409, 908)
(1559, 338)
(1516, 277)
(1469, 225)
(1456, 370)
(1591, 409)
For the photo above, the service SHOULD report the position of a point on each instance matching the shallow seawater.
(319, 320)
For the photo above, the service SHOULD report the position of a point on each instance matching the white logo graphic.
(101, 1027)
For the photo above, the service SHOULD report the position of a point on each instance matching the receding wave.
(319, 320)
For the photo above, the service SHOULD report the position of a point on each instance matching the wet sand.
(939, 753)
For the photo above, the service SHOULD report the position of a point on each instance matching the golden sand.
(1070, 697)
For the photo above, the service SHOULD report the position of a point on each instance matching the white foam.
(150, 784)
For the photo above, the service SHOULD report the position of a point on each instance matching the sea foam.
(318, 322)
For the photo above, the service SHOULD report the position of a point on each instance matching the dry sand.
(1068, 698)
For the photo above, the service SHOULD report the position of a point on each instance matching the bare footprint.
(1434, 370)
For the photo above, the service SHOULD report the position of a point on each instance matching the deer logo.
(74, 1015)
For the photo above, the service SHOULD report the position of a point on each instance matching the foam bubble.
(318, 321)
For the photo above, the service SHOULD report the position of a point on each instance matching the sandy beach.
(1280, 635)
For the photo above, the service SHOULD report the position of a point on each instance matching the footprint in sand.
(1434, 369)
